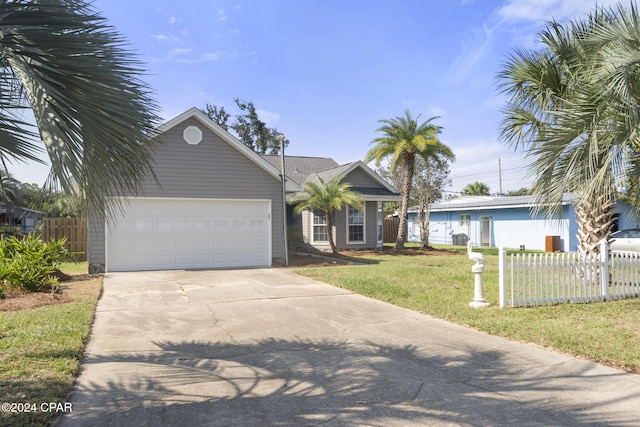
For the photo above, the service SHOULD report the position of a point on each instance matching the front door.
(485, 232)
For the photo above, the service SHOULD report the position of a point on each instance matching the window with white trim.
(319, 226)
(465, 219)
(355, 225)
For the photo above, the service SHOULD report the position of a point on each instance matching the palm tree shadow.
(299, 382)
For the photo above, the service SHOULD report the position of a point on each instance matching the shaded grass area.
(41, 348)
(441, 284)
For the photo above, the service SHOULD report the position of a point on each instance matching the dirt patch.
(307, 260)
(407, 251)
(77, 286)
(298, 260)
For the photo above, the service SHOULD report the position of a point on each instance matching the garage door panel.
(122, 225)
(186, 233)
(164, 243)
(183, 243)
(164, 225)
(222, 259)
(202, 242)
(144, 244)
(202, 225)
(239, 242)
(143, 260)
(221, 224)
(221, 241)
(182, 260)
(164, 260)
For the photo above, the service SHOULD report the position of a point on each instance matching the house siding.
(340, 229)
(363, 180)
(359, 178)
(627, 216)
(509, 227)
(512, 227)
(213, 169)
(370, 223)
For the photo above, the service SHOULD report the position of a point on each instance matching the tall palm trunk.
(595, 218)
(423, 218)
(408, 167)
(329, 215)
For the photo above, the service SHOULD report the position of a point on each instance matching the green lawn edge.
(40, 354)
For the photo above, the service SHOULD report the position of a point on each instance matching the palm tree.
(403, 140)
(9, 191)
(476, 189)
(574, 105)
(327, 196)
(93, 114)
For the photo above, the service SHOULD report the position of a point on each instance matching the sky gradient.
(324, 72)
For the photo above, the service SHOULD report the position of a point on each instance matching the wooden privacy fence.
(73, 229)
(544, 279)
(390, 229)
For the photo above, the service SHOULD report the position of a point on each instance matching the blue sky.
(325, 71)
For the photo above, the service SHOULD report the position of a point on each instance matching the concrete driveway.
(267, 347)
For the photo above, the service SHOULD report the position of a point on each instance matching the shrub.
(29, 263)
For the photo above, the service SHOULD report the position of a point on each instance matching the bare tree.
(429, 180)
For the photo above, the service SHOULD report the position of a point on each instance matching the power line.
(483, 173)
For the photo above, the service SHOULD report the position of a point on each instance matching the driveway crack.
(184, 294)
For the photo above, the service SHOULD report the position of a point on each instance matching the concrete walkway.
(266, 347)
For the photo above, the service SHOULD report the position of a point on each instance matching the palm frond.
(94, 114)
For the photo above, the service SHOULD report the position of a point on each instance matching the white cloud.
(180, 51)
(210, 56)
(173, 20)
(166, 38)
(471, 53)
(205, 57)
(269, 117)
(543, 10)
(434, 111)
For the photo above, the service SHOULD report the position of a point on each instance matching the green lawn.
(40, 351)
(442, 286)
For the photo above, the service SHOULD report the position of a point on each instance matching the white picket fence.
(544, 279)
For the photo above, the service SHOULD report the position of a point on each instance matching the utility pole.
(284, 201)
(500, 174)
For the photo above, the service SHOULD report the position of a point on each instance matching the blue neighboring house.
(506, 220)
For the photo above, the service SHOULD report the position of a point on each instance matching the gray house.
(218, 204)
(352, 228)
(20, 217)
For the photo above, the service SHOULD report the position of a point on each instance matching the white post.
(281, 138)
(502, 271)
(477, 269)
(604, 269)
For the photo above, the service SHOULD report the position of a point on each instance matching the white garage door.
(164, 234)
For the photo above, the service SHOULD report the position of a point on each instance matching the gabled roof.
(349, 167)
(490, 202)
(3, 208)
(194, 113)
(299, 168)
(304, 169)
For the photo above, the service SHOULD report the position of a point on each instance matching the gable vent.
(192, 135)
